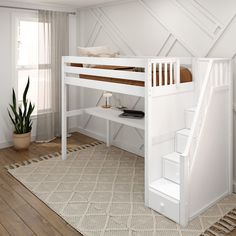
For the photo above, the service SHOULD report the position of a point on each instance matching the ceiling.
(69, 3)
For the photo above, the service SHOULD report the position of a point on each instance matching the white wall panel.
(175, 18)
(221, 10)
(224, 45)
(178, 49)
(135, 31)
(161, 27)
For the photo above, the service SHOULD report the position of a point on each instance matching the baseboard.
(129, 148)
(124, 146)
(10, 143)
(91, 134)
(5, 144)
(207, 206)
(72, 130)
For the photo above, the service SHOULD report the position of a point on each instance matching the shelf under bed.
(112, 114)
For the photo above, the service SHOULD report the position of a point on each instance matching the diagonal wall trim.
(152, 13)
(164, 45)
(94, 34)
(108, 31)
(172, 45)
(207, 13)
(111, 28)
(194, 19)
(220, 35)
(192, 55)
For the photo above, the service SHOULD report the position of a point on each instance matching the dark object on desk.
(132, 114)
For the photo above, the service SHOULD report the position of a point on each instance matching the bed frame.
(166, 105)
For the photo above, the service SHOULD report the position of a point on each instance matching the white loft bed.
(184, 123)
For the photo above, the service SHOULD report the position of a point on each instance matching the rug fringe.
(224, 226)
(49, 156)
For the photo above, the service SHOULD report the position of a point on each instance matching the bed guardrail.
(164, 72)
(170, 72)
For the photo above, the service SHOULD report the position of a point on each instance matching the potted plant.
(21, 119)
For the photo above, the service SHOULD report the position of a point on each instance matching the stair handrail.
(198, 109)
(187, 158)
(204, 90)
(184, 161)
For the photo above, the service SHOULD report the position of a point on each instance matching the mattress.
(185, 75)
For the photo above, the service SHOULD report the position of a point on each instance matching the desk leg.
(63, 120)
(64, 123)
(108, 133)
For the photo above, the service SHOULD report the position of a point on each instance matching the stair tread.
(174, 156)
(185, 132)
(166, 187)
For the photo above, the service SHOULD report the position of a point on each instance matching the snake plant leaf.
(25, 102)
(21, 116)
(11, 117)
(21, 120)
(14, 99)
(25, 92)
(15, 112)
(30, 110)
(25, 108)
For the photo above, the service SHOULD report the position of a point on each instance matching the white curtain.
(53, 44)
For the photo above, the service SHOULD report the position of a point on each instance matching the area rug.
(100, 192)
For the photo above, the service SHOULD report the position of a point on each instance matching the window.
(27, 63)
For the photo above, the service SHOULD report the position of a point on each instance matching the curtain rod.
(30, 9)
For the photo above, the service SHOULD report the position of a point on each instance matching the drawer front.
(171, 171)
(164, 205)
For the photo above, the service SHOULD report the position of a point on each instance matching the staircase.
(164, 195)
(178, 163)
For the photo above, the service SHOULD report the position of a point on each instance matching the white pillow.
(101, 51)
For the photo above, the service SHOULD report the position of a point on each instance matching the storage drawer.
(164, 205)
(171, 171)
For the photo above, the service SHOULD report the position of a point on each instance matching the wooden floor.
(23, 214)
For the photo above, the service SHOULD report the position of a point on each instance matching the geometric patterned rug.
(100, 191)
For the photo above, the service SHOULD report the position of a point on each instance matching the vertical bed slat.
(166, 75)
(216, 66)
(177, 72)
(154, 74)
(221, 73)
(160, 74)
(171, 73)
